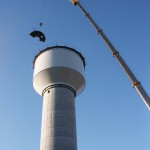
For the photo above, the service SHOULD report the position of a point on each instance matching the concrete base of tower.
(58, 131)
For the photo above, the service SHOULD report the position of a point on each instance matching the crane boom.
(135, 83)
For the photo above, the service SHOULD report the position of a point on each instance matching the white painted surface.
(59, 57)
(58, 66)
(58, 75)
(58, 130)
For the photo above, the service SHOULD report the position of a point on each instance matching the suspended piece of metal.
(136, 84)
(38, 34)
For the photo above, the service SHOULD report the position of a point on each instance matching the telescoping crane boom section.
(135, 83)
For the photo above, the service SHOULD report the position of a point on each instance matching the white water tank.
(56, 66)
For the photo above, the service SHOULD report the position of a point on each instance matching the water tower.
(58, 78)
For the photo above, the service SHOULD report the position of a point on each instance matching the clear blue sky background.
(110, 114)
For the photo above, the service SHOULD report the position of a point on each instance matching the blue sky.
(110, 114)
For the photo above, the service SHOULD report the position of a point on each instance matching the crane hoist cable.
(135, 83)
(39, 33)
(42, 12)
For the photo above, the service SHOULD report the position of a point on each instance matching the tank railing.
(135, 83)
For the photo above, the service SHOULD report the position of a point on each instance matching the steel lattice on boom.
(135, 83)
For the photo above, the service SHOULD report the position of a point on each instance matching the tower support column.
(58, 131)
